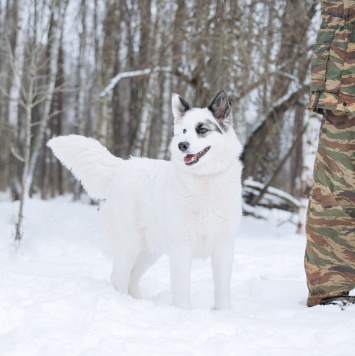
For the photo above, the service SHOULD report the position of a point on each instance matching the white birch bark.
(147, 106)
(102, 124)
(26, 159)
(82, 77)
(53, 69)
(17, 60)
(106, 47)
(166, 121)
(310, 148)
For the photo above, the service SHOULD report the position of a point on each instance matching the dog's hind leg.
(144, 260)
(123, 263)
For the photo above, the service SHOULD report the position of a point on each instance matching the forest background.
(107, 68)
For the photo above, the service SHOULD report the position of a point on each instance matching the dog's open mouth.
(192, 159)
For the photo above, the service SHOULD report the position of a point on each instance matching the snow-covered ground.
(56, 298)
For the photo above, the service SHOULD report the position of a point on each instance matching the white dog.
(188, 207)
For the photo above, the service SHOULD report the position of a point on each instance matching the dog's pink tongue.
(189, 158)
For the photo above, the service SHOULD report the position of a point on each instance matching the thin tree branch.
(131, 74)
(16, 154)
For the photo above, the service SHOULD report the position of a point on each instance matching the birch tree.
(108, 51)
(28, 103)
(39, 90)
(310, 144)
(126, 57)
(16, 57)
(143, 131)
(54, 42)
(83, 81)
(264, 148)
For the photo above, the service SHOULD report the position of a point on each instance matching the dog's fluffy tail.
(89, 161)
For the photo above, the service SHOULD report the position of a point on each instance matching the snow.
(56, 298)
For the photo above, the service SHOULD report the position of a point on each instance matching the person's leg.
(330, 228)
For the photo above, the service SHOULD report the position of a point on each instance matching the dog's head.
(204, 141)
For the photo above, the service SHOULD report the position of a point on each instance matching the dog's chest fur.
(208, 211)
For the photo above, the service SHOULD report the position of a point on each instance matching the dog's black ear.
(221, 108)
(180, 106)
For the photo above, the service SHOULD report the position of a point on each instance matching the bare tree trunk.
(4, 137)
(142, 136)
(82, 74)
(309, 152)
(216, 61)
(254, 149)
(44, 165)
(166, 122)
(105, 71)
(118, 119)
(301, 116)
(16, 60)
(178, 39)
(26, 159)
(83, 79)
(54, 43)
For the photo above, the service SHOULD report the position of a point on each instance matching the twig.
(17, 155)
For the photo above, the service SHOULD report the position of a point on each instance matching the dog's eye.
(184, 131)
(201, 130)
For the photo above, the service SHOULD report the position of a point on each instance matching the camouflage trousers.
(330, 228)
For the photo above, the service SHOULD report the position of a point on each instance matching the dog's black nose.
(183, 146)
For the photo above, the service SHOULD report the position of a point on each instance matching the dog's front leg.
(180, 265)
(222, 261)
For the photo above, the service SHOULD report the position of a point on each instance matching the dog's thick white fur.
(187, 207)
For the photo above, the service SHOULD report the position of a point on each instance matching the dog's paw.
(134, 292)
(182, 305)
(120, 286)
(222, 305)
